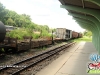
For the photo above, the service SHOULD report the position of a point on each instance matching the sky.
(44, 12)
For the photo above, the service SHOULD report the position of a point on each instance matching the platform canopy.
(87, 15)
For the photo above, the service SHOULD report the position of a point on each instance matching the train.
(67, 34)
(8, 43)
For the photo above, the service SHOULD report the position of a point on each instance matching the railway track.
(18, 67)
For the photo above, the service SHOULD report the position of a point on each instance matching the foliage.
(19, 33)
(45, 33)
(9, 17)
(88, 33)
(87, 39)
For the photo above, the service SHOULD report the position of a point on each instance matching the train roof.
(64, 28)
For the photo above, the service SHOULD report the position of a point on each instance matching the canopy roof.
(81, 3)
(87, 15)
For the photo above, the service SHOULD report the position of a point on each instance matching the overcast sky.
(44, 12)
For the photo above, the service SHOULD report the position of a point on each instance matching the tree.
(87, 33)
(9, 17)
(3, 13)
(10, 22)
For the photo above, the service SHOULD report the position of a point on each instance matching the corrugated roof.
(81, 3)
(87, 15)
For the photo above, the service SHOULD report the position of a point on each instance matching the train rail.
(18, 67)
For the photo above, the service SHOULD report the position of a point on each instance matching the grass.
(41, 48)
(87, 39)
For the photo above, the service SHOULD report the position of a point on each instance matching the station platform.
(74, 61)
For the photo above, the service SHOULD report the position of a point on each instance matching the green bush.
(36, 36)
(19, 33)
(45, 34)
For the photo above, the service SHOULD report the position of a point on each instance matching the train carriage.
(74, 34)
(63, 33)
(80, 35)
(7, 43)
